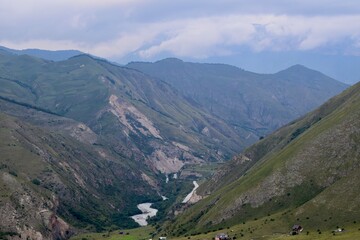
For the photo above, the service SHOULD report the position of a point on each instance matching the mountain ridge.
(56, 55)
(104, 80)
(254, 104)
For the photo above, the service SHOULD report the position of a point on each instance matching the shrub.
(36, 181)
(13, 173)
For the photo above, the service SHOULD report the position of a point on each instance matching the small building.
(222, 236)
(296, 229)
(162, 238)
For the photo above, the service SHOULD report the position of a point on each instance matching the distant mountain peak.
(53, 55)
(170, 60)
(82, 55)
(297, 67)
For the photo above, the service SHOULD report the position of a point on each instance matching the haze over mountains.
(344, 68)
(253, 104)
(44, 54)
(84, 140)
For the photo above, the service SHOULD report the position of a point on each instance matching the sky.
(203, 30)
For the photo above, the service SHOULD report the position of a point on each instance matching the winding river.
(187, 198)
(147, 212)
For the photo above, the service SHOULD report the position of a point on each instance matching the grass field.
(251, 230)
(130, 234)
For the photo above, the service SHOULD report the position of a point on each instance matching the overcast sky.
(197, 29)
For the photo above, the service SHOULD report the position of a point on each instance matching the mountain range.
(58, 55)
(253, 104)
(343, 67)
(85, 140)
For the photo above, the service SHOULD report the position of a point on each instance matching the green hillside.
(53, 184)
(125, 105)
(84, 141)
(305, 173)
(254, 104)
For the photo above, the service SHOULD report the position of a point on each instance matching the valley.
(179, 120)
(301, 174)
(321, 212)
(186, 149)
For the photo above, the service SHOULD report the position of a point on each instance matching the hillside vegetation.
(83, 141)
(305, 173)
(52, 184)
(124, 105)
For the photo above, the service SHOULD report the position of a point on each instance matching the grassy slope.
(273, 143)
(312, 175)
(262, 229)
(143, 233)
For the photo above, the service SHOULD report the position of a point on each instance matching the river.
(187, 198)
(147, 212)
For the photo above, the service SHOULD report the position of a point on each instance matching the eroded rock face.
(59, 228)
(127, 113)
(44, 176)
(166, 157)
(27, 215)
(82, 133)
(29, 233)
(166, 164)
(171, 157)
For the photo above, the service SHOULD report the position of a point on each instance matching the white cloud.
(212, 36)
(187, 38)
(121, 46)
(206, 37)
(31, 5)
(150, 28)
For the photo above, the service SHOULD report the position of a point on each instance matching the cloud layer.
(147, 29)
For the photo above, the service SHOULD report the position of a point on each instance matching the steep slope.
(305, 172)
(254, 104)
(84, 141)
(61, 177)
(146, 118)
